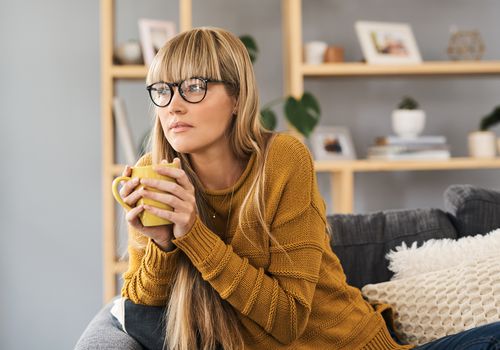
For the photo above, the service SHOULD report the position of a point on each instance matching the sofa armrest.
(104, 332)
(474, 210)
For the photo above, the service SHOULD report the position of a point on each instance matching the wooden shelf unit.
(110, 74)
(342, 172)
(351, 69)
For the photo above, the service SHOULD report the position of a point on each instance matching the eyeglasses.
(192, 90)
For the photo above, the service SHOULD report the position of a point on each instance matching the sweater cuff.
(157, 261)
(200, 243)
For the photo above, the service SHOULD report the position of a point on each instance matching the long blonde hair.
(196, 316)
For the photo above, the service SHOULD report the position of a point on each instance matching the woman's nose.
(177, 104)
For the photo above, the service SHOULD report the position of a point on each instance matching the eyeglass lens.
(192, 90)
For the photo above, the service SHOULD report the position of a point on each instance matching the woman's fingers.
(181, 219)
(128, 187)
(166, 198)
(132, 198)
(176, 173)
(168, 186)
(127, 171)
(133, 217)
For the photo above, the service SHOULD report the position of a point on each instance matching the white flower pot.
(408, 123)
(482, 144)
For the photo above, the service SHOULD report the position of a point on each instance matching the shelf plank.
(365, 165)
(426, 68)
(129, 71)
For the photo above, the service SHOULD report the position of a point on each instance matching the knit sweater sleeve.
(277, 298)
(150, 269)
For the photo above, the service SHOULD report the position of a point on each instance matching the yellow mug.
(145, 172)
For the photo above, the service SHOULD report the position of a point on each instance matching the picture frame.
(153, 35)
(387, 43)
(332, 143)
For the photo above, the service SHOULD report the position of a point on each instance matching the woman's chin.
(182, 147)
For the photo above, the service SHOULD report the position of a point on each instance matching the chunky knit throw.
(290, 292)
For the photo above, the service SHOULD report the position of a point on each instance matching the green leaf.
(408, 103)
(268, 119)
(490, 120)
(251, 46)
(304, 115)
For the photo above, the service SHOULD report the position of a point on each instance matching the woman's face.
(198, 127)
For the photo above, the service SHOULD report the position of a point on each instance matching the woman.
(247, 261)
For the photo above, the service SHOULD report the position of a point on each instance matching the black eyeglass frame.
(178, 84)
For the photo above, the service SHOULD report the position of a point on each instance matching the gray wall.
(50, 217)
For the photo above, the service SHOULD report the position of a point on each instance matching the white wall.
(50, 136)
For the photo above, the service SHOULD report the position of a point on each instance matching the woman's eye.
(195, 88)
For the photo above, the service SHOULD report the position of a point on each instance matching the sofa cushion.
(438, 254)
(432, 305)
(474, 210)
(361, 241)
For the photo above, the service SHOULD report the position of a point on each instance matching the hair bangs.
(188, 54)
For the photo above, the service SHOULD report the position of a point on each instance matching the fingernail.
(164, 161)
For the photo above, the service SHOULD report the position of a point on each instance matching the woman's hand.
(162, 235)
(179, 195)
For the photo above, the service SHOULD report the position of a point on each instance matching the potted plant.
(408, 120)
(303, 113)
(482, 142)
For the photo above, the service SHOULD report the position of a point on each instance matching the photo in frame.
(332, 143)
(154, 34)
(387, 43)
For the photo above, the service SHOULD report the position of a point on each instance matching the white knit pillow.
(432, 305)
(437, 254)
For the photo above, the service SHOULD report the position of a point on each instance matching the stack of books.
(419, 148)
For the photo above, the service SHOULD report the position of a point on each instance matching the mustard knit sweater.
(297, 302)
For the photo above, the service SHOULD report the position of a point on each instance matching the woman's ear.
(235, 108)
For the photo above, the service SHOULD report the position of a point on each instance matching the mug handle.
(116, 194)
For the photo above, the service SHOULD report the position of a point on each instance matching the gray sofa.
(361, 242)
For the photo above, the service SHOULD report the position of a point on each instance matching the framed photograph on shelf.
(387, 43)
(154, 34)
(332, 143)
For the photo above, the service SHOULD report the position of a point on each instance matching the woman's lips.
(180, 126)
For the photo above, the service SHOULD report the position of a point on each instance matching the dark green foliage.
(408, 103)
(268, 118)
(302, 114)
(491, 119)
(251, 46)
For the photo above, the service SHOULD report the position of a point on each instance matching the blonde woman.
(247, 262)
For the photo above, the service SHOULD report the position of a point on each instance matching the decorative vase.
(129, 53)
(315, 51)
(482, 144)
(408, 123)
